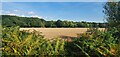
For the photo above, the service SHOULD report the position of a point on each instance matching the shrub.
(96, 44)
(16, 42)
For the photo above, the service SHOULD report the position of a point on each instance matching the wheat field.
(59, 32)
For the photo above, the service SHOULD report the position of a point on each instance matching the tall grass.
(15, 42)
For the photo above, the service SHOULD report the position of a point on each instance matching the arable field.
(59, 32)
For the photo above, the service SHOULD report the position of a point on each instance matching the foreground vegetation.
(17, 42)
(96, 43)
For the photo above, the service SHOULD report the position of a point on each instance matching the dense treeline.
(8, 20)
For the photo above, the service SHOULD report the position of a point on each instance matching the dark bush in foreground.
(96, 43)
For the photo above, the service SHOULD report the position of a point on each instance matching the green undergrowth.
(15, 42)
(96, 43)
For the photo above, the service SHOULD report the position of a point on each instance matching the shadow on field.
(67, 38)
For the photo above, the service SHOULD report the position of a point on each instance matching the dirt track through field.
(59, 32)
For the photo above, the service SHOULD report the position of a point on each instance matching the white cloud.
(23, 16)
(36, 16)
(20, 13)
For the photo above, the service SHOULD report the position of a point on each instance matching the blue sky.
(73, 11)
(55, 0)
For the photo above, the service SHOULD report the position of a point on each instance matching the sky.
(72, 11)
(54, 0)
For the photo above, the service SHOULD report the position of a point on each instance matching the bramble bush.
(16, 42)
(97, 43)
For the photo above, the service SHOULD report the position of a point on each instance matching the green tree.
(8, 20)
(50, 24)
(112, 11)
(59, 23)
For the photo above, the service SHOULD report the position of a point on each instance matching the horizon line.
(58, 19)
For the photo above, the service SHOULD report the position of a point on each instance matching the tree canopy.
(112, 12)
(8, 20)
